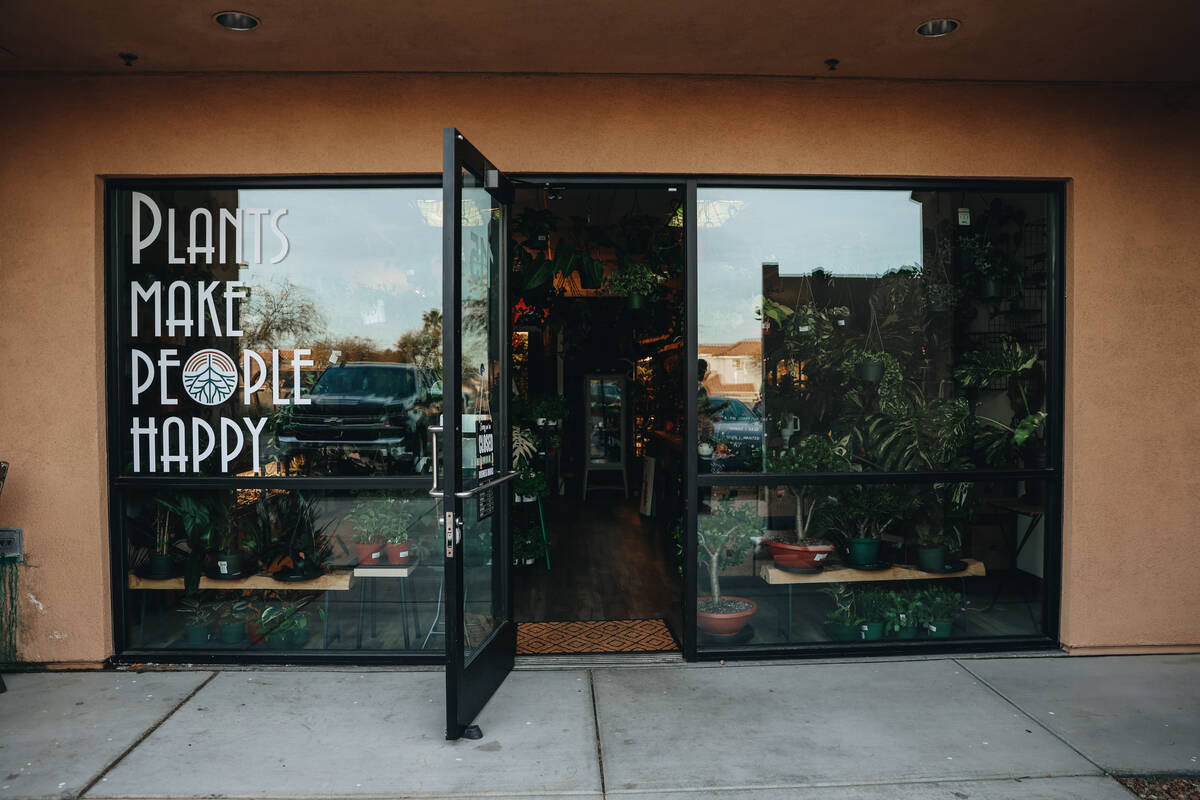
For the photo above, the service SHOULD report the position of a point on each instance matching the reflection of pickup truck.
(734, 422)
(382, 407)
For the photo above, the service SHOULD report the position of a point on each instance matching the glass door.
(481, 634)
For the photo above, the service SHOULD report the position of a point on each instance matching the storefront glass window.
(276, 366)
(845, 333)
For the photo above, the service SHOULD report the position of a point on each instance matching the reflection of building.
(734, 370)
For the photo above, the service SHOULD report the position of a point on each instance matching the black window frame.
(1052, 474)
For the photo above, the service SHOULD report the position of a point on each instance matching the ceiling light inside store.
(937, 27)
(236, 20)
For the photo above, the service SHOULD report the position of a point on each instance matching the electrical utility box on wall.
(10, 543)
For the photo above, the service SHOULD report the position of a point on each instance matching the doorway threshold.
(598, 660)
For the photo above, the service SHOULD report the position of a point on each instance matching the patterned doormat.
(594, 636)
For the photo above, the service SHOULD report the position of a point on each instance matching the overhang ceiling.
(1026, 40)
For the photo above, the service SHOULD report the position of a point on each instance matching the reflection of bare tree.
(423, 347)
(280, 314)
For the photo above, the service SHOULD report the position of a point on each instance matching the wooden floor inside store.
(607, 563)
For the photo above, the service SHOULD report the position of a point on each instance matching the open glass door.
(481, 636)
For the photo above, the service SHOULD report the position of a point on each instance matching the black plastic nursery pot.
(931, 559)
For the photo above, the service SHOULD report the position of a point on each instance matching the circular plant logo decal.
(210, 377)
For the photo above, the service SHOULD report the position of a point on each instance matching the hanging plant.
(633, 280)
(890, 380)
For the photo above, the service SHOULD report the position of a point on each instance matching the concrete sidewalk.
(986, 729)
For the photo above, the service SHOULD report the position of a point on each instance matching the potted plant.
(231, 621)
(229, 562)
(199, 618)
(289, 524)
(376, 517)
(160, 564)
(873, 608)
(725, 538)
(842, 623)
(904, 614)
(527, 545)
(939, 608)
(862, 513)
(635, 281)
(813, 453)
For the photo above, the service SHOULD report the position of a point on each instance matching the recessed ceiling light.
(236, 20)
(937, 27)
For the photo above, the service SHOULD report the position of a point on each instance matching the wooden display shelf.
(385, 571)
(336, 581)
(842, 574)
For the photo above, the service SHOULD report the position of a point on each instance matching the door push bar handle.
(483, 487)
(433, 439)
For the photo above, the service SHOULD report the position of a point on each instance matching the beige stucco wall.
(1133, 434)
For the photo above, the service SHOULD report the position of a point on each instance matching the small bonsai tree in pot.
(725, 537)
(814, 453)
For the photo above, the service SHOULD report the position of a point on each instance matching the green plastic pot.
(300, 637)
(906, 633)
(231, 632)
(159, 566)
(939, 628)
(863, 551)
(871, 631)
(637, 301)
(195, 634)
(279, 640)
(841, 633)
(931, 559)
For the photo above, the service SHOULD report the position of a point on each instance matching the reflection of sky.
(844, 232)
(365, 257)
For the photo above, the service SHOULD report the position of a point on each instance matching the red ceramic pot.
(369, 555)
(725, 624)
(398, 554)
(798, 556)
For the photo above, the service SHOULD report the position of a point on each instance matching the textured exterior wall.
(1132, 487)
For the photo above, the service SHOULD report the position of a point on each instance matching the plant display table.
(331, 581)
(839, 573)
(335, 581)
(408, 610)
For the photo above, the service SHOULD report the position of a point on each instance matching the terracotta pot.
(398, 554)
(798, 556)
(725, 624)
(369, 555)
